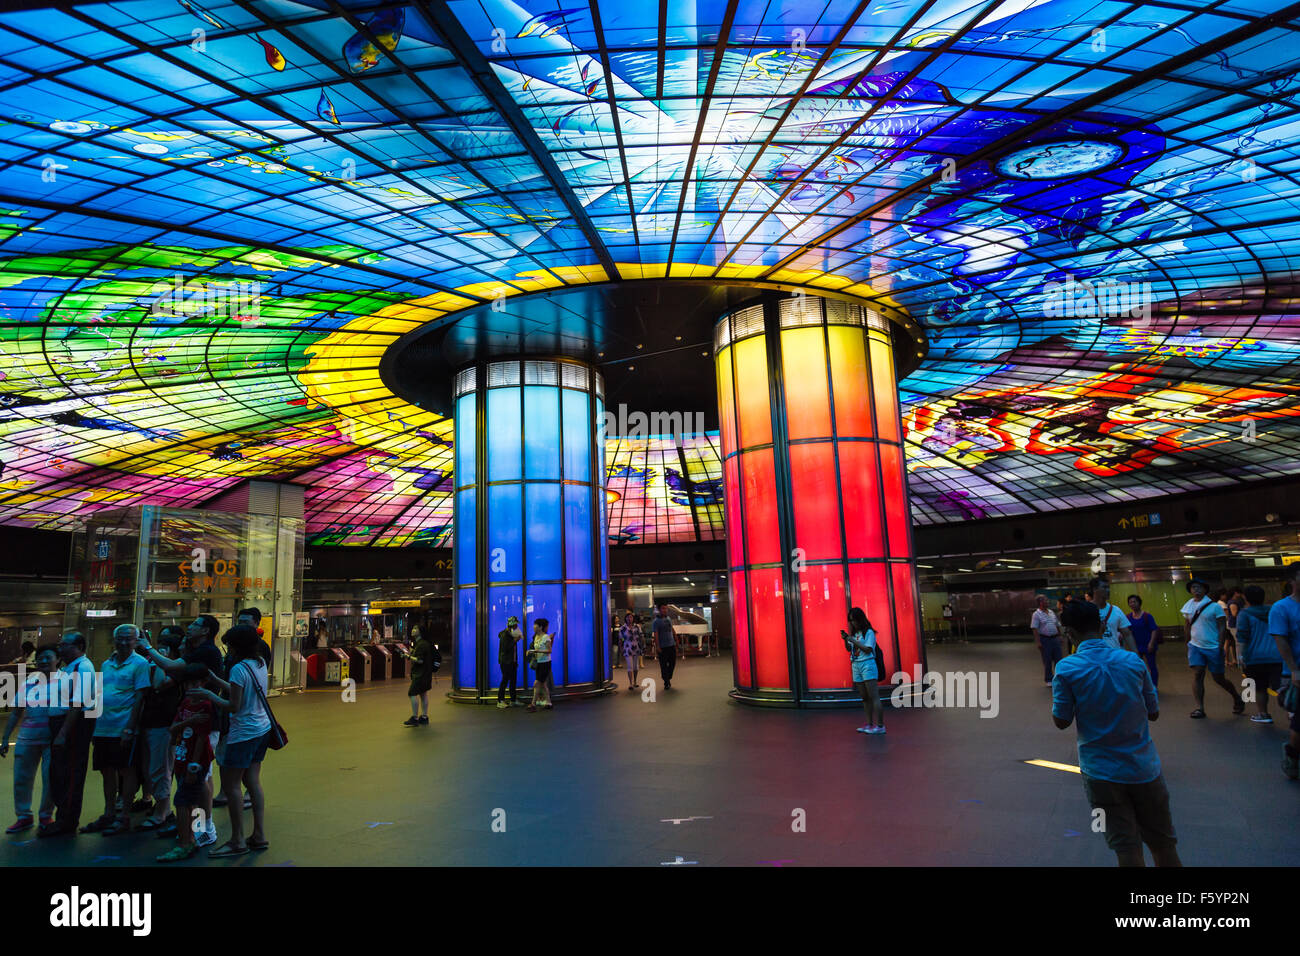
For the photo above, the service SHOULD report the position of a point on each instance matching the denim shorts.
(1201, 657)
(239, 756)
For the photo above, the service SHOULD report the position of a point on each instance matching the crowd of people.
(1106, 687)
(154, 717)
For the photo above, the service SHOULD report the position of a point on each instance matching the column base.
(824, 700)
(469, 695)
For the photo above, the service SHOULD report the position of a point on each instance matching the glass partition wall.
(157, 566)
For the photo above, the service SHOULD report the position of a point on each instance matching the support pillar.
(529, 522)
(817, 512)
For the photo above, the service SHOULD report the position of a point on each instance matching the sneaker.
(20, 825)
(866, 729)
(411, 722)
(208, 836)
(46, 821)
(424, 719)
(1290, 765)
(668, 685)
(1261, 719)
(880, 729)
(502, 705)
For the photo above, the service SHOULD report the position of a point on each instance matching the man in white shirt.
(1115, 631)
(1207, 632)
(1047, 636)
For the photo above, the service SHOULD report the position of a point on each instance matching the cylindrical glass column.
(816, 497)
(529, 524)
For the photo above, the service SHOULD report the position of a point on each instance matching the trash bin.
(359, 662)
(381, 662)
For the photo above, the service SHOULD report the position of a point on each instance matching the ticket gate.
(381, 662)
(359, 661)
(327, 665)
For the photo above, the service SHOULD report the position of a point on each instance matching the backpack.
(880, 663)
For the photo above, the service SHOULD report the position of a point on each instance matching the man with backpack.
(425, 659)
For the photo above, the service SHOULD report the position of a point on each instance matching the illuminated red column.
(816, 496)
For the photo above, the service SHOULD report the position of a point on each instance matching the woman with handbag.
(860, 642)
(251, 733)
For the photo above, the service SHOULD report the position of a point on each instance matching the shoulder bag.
(278, 737)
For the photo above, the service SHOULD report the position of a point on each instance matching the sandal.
(119, 826)
(178, 852)
(149, 823)
(258, 844)
(1197, 713)
(96, 826)
(226, 849)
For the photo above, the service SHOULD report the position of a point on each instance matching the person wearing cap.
(508, 658)
(1207, 633)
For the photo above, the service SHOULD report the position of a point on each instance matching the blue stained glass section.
(545, 601)
(466, 648)
(464, 547)
(543, 541)
(605, 626)
(541, 432)
(505, 539)
(503, 421)
(464, 438)
(577, 532)
(582, 625)
(503, 601)
(577, 436)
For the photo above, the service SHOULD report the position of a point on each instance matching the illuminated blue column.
(529, 522)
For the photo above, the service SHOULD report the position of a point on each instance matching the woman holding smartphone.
(860, 642)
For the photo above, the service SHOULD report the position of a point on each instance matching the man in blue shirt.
(126, 678)
(1284, 626)
(1260, 660)
(1107, 693)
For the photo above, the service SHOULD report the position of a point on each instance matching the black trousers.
(667, 662)
(68, 769)
(509, 672)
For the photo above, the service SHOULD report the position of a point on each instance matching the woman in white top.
(860, 642)
(246, 740)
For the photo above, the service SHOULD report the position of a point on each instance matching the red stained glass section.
(767, 606)
(909, 642)
(816, 500)
(869, 590)
(740, 628)
(762, 536)
(821, 599)
(859, 480)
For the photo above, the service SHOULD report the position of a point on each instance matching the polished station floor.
(693, 779)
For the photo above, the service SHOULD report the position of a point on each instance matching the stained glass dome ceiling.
(217, 216)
